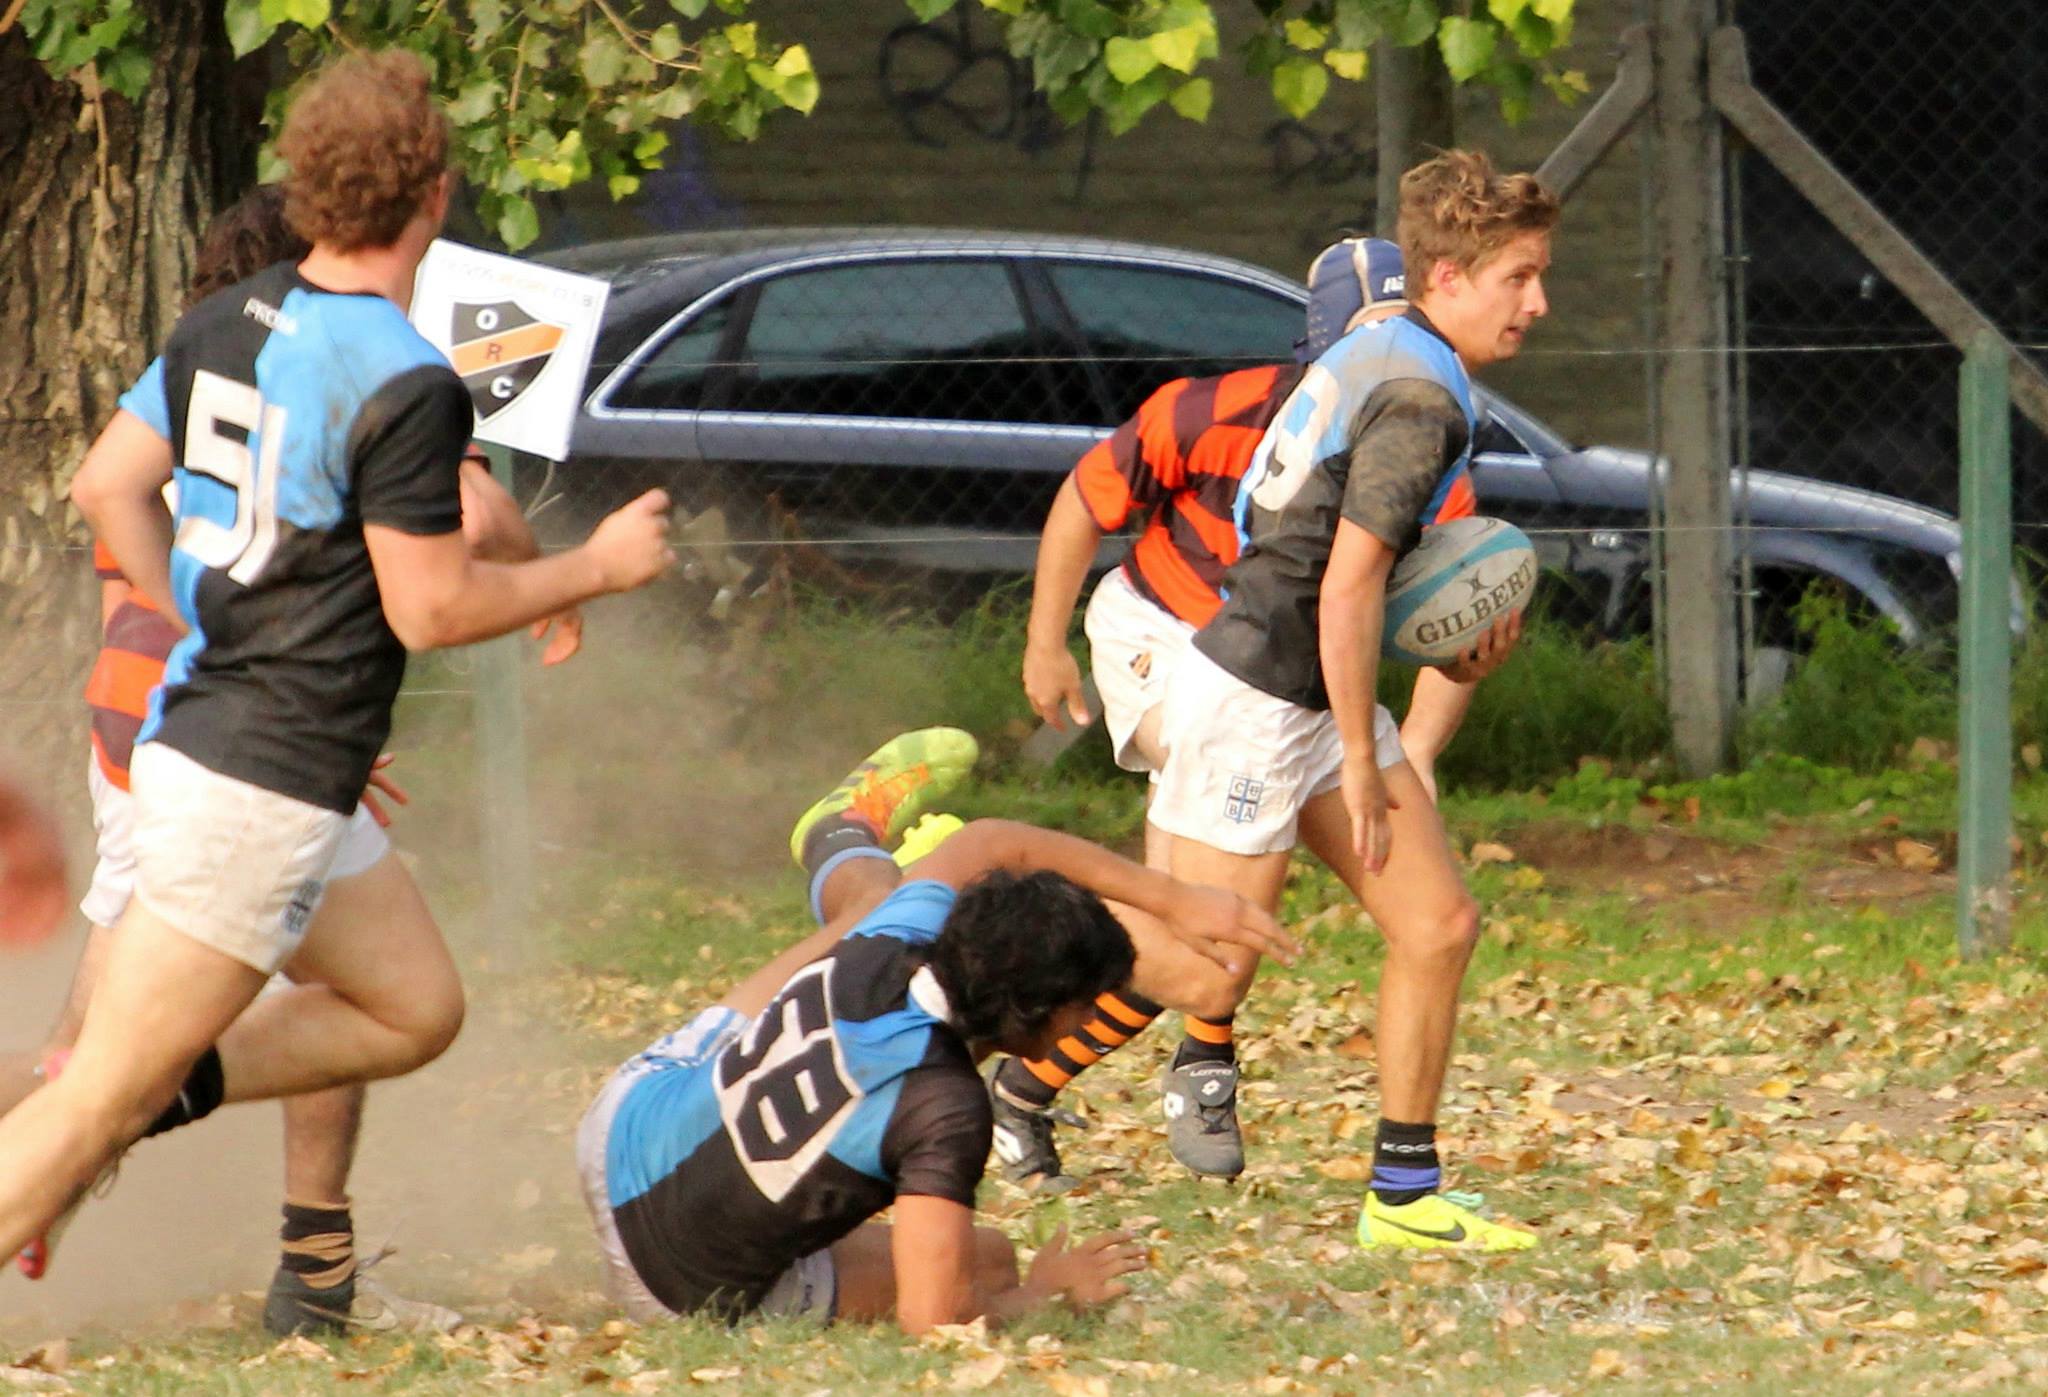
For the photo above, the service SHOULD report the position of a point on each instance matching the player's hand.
(630, 545)
(1086, 1273)
(563, 633)
(1366, 801)
(1052, 682)
(1487, 654)
(1207, 917)
(32, 888)
(379, 782)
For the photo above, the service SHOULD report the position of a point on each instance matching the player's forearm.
(494, 599)
(492, 521)
(1435, 713)
(137, 531)
(1066, 549)
(1349, 641)
(1023, 848)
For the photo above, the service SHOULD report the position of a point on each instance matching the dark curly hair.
(365, 142)
(244, 238)
(1017, 948)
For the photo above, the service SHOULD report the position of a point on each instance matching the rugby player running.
(319, 1283)
(1271, 728)
(1179, 462)
(316, 441)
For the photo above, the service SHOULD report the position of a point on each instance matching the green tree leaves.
(548, 93)
(1109, 54)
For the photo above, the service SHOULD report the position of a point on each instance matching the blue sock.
(830, 865)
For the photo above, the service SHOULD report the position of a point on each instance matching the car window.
(928, 338)
(1146, 325)
(1496, 436)
(675, 375)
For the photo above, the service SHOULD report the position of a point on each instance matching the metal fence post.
(1984, 737)
(501, 767)
(1698, 636)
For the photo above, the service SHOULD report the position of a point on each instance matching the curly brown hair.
(1455, 207)
(244, 238)
(365, 142)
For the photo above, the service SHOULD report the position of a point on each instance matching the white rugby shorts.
(809, 1288)
(113, 871)
(1241, 763)
(1133, 647)
(231, 865)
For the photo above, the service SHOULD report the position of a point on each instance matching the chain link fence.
(1939, 116)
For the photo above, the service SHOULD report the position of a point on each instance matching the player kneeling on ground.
(732, 1167)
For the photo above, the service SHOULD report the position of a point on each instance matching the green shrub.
(1857, 698)
(1558, 699)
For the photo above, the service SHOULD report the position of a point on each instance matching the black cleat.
(1023, 1142)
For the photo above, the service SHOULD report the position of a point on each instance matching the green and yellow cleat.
(1435, 1222)
(892, 788)
(926, 835)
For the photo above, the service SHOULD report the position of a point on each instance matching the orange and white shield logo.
(499, 350)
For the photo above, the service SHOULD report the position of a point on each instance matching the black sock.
(1404, 1162)
(1206, 1040)
(198, 1098)
(1020, 1086)
(320, 1249)
(833, 835)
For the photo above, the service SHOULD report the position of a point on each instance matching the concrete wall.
(929, 126)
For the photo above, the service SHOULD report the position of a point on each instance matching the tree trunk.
(1412, 98)
(100, 202)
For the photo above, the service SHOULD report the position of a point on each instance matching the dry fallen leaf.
(978, 1373)
(1486, 852)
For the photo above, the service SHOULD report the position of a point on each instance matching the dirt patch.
(1709, 881)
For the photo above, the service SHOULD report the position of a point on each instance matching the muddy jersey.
(851, 1089)
(1378, 432)
(295, 417)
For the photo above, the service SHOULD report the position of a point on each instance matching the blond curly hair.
(366, 142)
(1455, 207)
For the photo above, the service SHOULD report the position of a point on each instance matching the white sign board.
(518, 333)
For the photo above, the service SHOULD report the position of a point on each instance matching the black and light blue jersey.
(1379, 431)
(850, 1089)
(295, 417)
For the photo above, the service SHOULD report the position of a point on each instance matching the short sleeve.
(103, 565)
(146, 399)
(405, 452)
(1138, 466)
(938, 1138)
(1409, 433)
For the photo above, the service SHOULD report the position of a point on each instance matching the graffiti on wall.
(946, 80)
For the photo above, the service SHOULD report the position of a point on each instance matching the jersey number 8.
(781, 1089)
(221, 419)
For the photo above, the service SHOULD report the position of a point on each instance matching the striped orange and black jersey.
(1180, 459)
(137, 643)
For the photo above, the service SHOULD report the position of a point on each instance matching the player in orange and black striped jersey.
(1178, 463)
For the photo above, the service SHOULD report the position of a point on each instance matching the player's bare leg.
(865, 1269)
(22, 1073)
(134, 1051)
(377, 995)
(1430, 924)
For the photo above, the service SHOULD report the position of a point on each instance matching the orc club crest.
(499, 350)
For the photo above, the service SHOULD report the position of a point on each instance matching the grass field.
(1716, 1049)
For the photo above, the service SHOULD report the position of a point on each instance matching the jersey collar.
(1415, 317)
(927, 994)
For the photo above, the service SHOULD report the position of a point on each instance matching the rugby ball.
(1447, 590)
